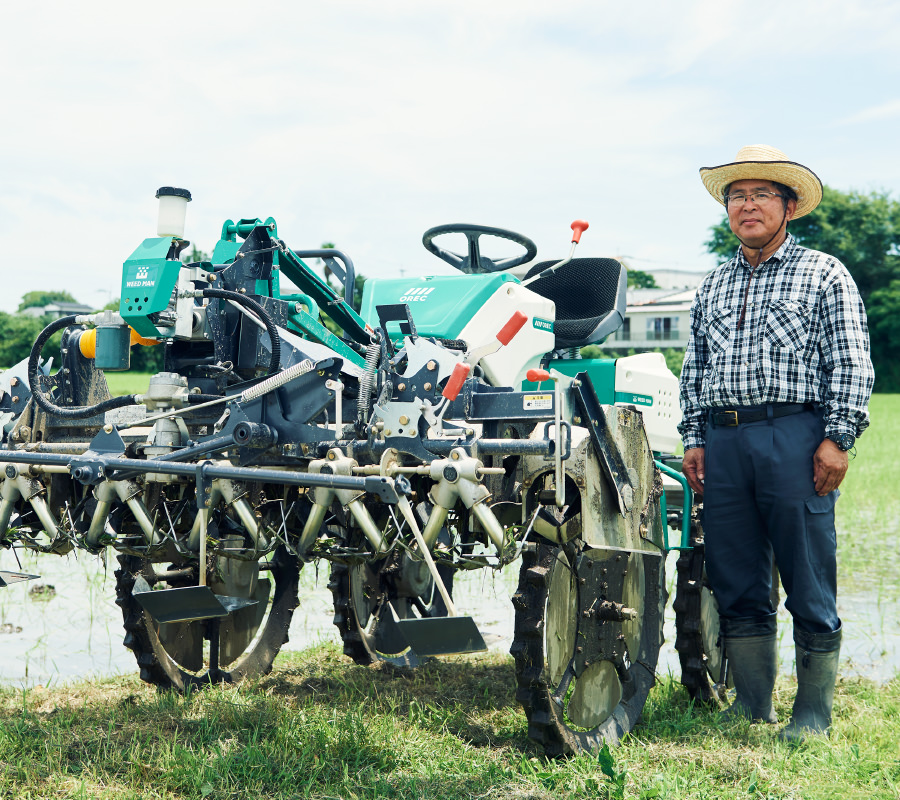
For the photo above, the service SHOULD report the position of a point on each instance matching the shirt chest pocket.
(718, 327)
(787, 324)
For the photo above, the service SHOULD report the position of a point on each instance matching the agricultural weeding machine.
(446, 424)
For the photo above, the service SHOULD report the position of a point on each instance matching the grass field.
(320, 727)
(127, 382)
(868, 512)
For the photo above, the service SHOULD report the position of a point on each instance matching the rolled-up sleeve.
(844, 347)
(693, 420)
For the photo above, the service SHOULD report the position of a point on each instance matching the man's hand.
(692, 465)
(829, 467)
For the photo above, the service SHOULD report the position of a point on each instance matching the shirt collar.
(780, 255)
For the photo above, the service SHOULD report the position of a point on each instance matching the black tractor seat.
(590, 298)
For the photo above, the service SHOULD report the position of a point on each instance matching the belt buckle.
(733, 414)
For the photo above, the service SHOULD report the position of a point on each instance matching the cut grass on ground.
(321, 727)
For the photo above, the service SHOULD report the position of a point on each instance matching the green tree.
(641, 280)
(17, 335)
(39, 298)
(195, 255)
(884, 313)
(863, 232)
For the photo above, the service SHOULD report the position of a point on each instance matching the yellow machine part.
(88, 342)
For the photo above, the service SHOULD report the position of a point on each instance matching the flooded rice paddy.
(75, 630)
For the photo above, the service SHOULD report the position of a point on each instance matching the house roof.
(63, 309)
(659, 299)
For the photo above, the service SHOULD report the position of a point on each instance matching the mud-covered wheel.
(242, 645)
(697, 638)
(700, 647)
(588, 629)
(364, 595)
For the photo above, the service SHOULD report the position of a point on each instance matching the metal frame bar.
(388, 489)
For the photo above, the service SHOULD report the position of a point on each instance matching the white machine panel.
(507, 367)
(645, 382)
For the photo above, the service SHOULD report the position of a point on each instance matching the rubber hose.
(72, 412)
(256, 308)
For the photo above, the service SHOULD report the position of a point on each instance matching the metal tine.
(188, 603)
(434, 636)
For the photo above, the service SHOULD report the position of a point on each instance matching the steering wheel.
(474, 262)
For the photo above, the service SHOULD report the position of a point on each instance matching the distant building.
(57, 310)
(677, 278)
(658, 318)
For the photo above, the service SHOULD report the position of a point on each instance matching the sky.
(366, 123)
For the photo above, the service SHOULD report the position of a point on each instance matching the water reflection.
(77, 632)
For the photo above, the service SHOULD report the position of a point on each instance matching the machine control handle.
(578, 227)
(512, 327)
(457, 379)
(537, 375)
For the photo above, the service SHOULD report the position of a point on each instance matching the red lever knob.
(579, 227)
(457, 379)
(537, 375)
(513, 326)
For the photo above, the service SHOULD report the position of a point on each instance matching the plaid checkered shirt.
(804, 339)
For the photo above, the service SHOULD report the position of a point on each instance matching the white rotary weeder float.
(448, 425)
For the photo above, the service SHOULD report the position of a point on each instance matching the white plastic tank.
(172, 211)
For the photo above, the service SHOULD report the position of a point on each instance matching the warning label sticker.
(538, 402)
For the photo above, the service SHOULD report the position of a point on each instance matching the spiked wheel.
(587, 636)
(697, 622)
(364, 597)
(242, 645)
(699, 645)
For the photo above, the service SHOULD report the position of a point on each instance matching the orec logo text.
(416, 295)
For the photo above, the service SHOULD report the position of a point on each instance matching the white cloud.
(883, 111)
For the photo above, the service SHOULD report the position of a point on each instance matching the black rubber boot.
(752, 663)
(817, 665)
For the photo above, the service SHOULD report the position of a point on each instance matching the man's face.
(755, 222)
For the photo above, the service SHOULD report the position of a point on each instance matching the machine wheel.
(697, 623)
(583, 666)
(363, 595)
(700, 648)
(173, 655)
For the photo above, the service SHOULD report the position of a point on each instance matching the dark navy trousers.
(759, 499)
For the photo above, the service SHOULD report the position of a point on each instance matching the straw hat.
(762, 162)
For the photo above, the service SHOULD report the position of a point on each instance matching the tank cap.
(171, 191)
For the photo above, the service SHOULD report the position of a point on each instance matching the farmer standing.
(774, 391)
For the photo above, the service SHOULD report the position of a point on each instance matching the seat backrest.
(590, 298)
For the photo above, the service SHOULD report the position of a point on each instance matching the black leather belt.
(733, 417)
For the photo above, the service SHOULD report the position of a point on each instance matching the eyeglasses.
(759, 198)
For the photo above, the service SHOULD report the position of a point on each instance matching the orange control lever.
(457, 379)
(578, 227)
(537, 375)
(512, 327)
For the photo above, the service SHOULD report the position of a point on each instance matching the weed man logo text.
(140, 278)
(416, 295)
